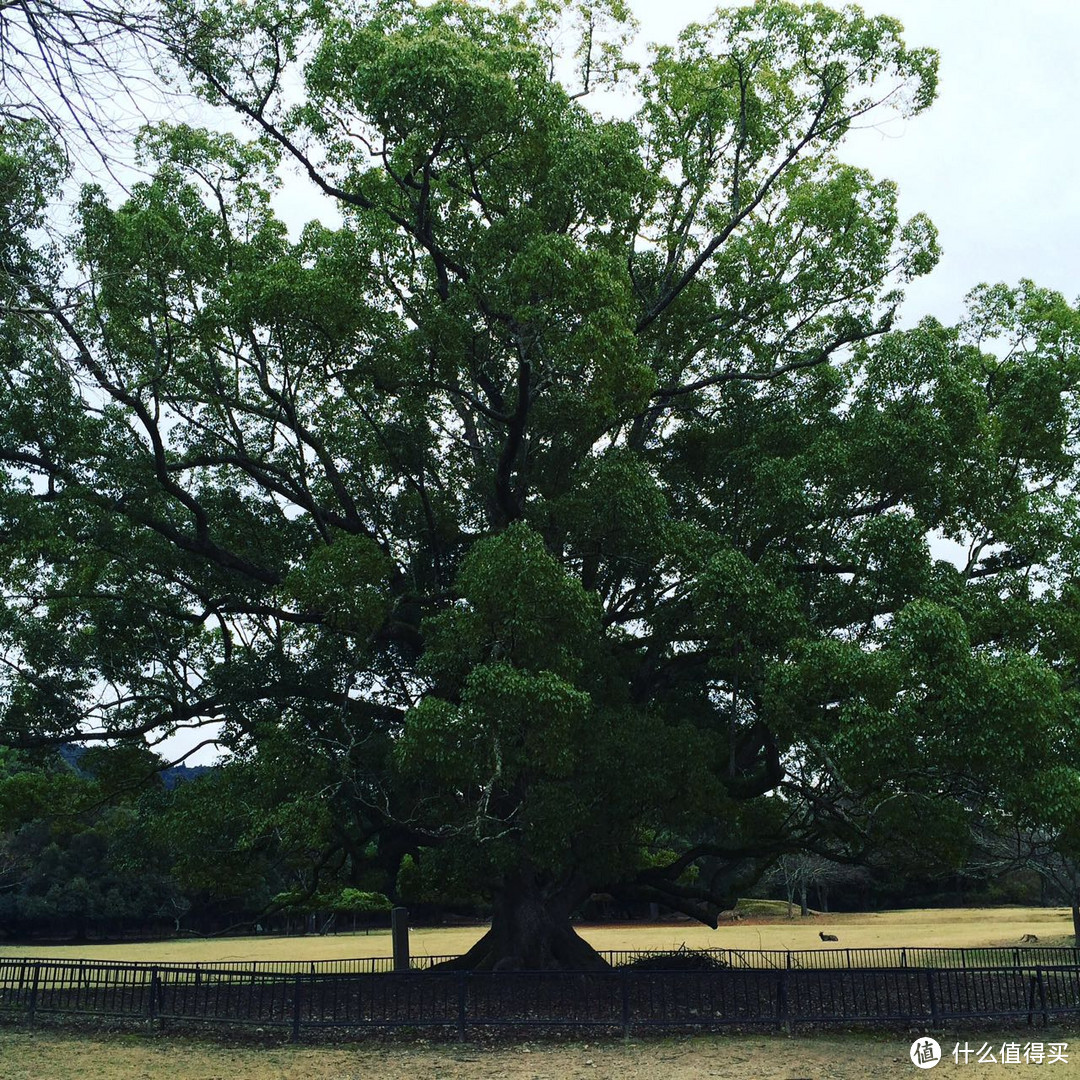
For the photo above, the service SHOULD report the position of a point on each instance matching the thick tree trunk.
(823, 896)
(530, 931)
(1076, 921)
(804, 907)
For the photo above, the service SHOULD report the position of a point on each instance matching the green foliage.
(344, 901)
(343, 582)
(70, 860)
(571, 501)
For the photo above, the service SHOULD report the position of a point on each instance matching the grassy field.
(947, 928)
(827, 1056)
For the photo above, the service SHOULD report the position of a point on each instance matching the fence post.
(296, 1007)
(1032, 984)
(782, 1019)
(151, 1008)
(1042, 997)
(624, 979)
(33, 992)
(903, 957)
(930, 972)
(399, 936)
(461, 976)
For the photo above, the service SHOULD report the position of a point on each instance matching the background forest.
(96, 846)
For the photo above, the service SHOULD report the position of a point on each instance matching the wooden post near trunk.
(399, 935)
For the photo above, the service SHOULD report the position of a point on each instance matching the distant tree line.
(106, 843)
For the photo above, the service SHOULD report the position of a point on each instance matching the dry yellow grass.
(826, 1056)
(837, 1056)
(947, 928)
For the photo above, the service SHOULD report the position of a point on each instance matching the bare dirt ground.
(947, 928)
(826, 1056)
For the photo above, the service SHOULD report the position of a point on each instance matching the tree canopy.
(561, 516)
(83, 68)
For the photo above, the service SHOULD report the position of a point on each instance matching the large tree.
(568, 500)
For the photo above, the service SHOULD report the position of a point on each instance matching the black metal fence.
(1026, 957)
(620, 1000)
(816, 959)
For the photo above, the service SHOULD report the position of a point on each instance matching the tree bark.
(530, 931)
(1076, 921)
(823, 895)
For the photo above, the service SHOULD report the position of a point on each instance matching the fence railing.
(769, 959)
(621, 999)
(815, 959)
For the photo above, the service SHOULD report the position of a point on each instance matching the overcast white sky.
(995, 161)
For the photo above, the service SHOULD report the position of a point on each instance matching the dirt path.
(830, 1056)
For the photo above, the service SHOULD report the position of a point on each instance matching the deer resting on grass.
(827, 937)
